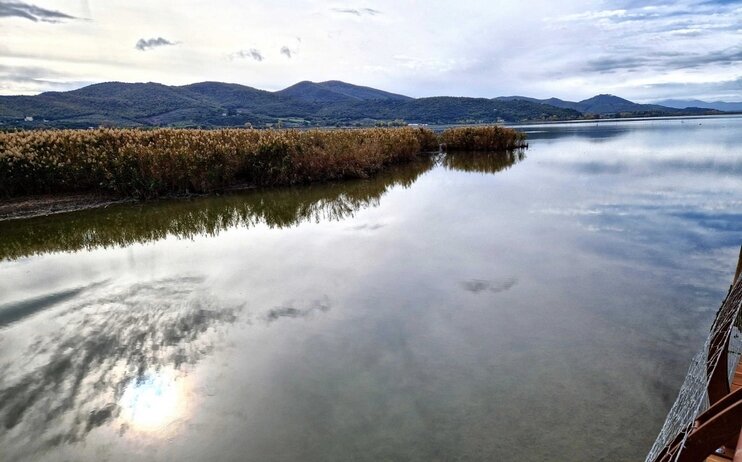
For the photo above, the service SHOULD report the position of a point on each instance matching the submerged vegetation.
(150, 163)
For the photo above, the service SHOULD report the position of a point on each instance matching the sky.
(571, 49)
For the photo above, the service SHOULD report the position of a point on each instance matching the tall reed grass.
(149, 163)
(487, 138)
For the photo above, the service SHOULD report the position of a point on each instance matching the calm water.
(474, 307)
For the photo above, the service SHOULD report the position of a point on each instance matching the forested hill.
(217, 104)
(611, 105)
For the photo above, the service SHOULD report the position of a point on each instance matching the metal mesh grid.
(692, 398)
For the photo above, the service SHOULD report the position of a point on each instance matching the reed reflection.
(121, 226)
(482, 162)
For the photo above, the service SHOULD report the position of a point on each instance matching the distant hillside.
(718, 105)
(334, 91)
(604, 105)
(217, 104)
(607, 104)
(445, 110)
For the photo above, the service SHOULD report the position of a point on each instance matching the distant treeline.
(151, 163)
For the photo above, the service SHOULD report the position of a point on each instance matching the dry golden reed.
(487, 138)
(148, 163)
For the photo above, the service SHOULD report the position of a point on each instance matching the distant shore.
(622, 119)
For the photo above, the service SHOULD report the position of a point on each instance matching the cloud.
(36, 79)
(31, 12)
(657, 13)
(357, 11)
(145, 44)
(666, 61)
(252, 53)
(291, 52)
(728, 90)
(26, 73)
(573, 50)
(638, 44)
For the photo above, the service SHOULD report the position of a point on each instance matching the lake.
(533, 306)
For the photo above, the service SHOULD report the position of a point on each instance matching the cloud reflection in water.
(154, 401)
(120, 355)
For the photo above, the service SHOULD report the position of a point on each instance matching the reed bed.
(488, 138)
(150, 163)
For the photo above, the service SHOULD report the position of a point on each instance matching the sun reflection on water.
(154, 402)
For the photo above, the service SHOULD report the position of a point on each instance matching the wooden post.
(718, 386)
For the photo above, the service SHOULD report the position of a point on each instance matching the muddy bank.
(36, 206)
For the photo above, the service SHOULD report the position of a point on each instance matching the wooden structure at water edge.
(705, 423)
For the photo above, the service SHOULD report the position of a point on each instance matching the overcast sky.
(572, 49)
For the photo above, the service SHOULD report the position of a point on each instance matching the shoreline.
(27, 207)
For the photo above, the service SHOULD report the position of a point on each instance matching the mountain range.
(718, 105)
(602, 105)
(217, 104)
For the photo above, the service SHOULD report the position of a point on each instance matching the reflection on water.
(606, 130)
(482, 162)
(117, 355)
(153, 401)
(13, 312)
(316, 306)
(429, 313)
(480, 285)
(185, 219)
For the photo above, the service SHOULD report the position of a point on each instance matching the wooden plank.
(713, 433)
(737, 379)
(717, 459)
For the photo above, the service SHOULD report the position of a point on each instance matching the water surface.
(471, 307)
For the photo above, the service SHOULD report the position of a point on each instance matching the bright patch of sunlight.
(154, 402)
